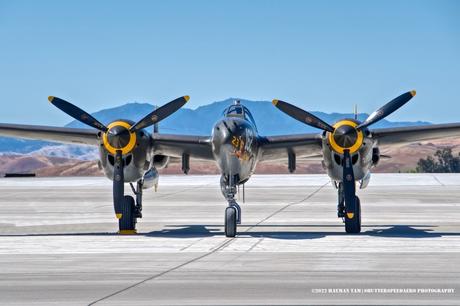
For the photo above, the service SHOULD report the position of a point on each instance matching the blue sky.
(319, 55)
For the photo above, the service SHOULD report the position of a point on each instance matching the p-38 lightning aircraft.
(130, 154)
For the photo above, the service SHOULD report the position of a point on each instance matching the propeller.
(119, 137)
(77, 113)
(387, 109)
(311, 120)
(302, 116)
(160, 113)
(152, 118)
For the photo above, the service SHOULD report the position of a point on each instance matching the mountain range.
(199, 121)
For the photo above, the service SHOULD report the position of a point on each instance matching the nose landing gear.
(233, 211)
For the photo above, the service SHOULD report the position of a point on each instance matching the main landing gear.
(349, 205)
(233, 211)
(127, 210)
(351, 216)
(131, 210)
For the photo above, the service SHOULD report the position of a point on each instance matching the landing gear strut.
(349, 206)
(138, 192)
(233, 211)
(126, 209)
(341, 200)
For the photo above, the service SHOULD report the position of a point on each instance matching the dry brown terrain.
(47, 166)
(404, 158)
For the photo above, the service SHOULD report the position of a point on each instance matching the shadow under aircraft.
(130, 153)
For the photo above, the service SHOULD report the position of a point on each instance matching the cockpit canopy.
(240, 111)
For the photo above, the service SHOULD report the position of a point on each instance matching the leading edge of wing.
(278, 147)
(50, 133)
(407, 134)
(198, 147)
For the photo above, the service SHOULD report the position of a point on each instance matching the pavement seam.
(287, 206)
(254, 245)
(222, 245)
(191, 244)
(183, 190)
(437, 180)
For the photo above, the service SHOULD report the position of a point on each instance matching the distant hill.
(269, 120)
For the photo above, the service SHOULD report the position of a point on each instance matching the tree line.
(442, 162)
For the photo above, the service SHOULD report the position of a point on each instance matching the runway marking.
(221, 246)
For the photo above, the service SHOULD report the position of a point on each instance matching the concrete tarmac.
(58, 244)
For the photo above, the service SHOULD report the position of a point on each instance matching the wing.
(278, 147)
(50, 133)
(401, 135)
(198, 147)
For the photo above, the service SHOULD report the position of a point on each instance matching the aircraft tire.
(353, 225)
(230, 222)
(127, 223)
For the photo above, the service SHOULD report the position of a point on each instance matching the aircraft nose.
(225, 132)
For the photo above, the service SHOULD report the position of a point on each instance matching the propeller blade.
(118, 185)
(77, 113)
(387, 109)
(160, 113)
(302, 116)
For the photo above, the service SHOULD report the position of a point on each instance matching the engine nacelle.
(160, 161)
(136, 149)
(150, 179)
